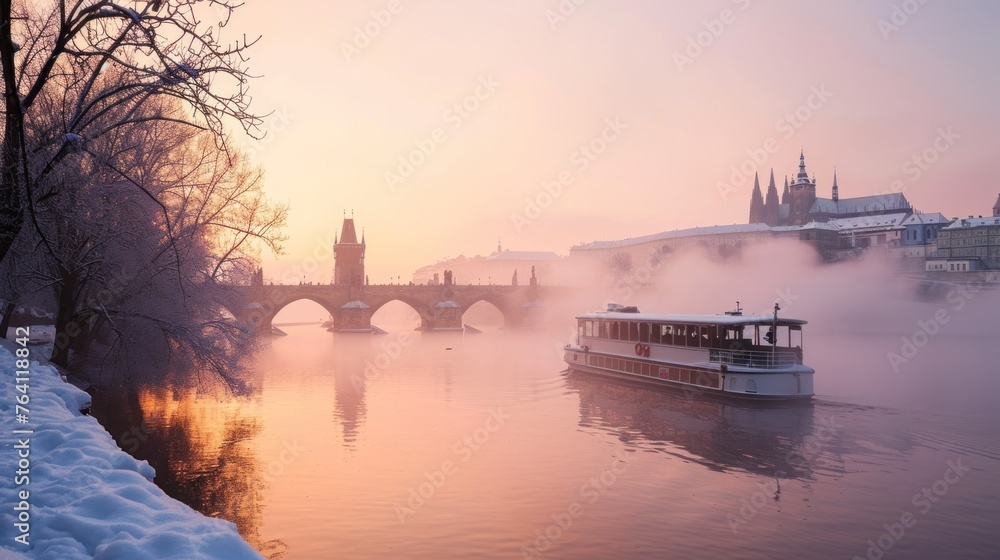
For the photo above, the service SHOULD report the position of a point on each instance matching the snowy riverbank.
(82, 496)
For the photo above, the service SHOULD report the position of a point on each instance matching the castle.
(799, 204)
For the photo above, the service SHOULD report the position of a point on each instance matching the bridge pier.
(446, 316)
(353, 316)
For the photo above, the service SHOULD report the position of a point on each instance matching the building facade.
(967, 245)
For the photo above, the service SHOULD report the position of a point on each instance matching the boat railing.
(755, 358)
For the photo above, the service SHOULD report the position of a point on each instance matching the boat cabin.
(730, 338)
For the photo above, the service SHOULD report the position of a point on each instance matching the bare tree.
(147, 229)
(162, 49)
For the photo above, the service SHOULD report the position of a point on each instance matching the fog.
(875, 336)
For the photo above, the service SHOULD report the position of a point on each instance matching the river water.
(444, 445)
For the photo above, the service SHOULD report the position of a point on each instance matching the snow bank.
(88, 498)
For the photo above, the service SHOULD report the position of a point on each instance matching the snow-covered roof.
(974, 222)
(810, 225)
(508, 255)
(883, 221)
(680, 233)
(922, 219)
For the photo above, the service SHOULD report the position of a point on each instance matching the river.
(444, 445)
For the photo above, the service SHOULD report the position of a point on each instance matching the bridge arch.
(277, 306)
(474, 311)
(418, 308)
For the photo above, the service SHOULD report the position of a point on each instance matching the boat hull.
(703, 377)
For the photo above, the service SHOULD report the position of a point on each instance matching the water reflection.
(770, 439)
(203, 454)
(350, 369)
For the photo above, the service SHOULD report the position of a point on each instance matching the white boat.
(736, 355)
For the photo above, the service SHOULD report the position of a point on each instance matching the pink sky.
(537, 89)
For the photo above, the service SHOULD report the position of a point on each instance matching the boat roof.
(692, 319)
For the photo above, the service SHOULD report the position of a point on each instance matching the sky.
(445, 127)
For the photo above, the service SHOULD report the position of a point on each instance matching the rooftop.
(863, 222)
(932, 218)
(974, 222)
(690, 232)
(858, 205)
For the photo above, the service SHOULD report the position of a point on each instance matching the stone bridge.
(440, 307)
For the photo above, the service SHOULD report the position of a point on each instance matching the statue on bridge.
(513, 280)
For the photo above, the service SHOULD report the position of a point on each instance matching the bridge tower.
(349, 256)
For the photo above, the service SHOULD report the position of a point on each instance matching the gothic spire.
(771, 211)
(756, 202)
(836, 191)
(802, 177)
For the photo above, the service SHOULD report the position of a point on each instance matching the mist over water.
(874, 335)
(450, 445)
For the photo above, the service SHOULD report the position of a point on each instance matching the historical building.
(349, 256)
(967, 245)
(799, 204)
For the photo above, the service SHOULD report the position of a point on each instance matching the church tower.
(784, 194)
(802, 195)
(349, 256)
(756, 203)
(772, 210)
(836, 191)
(996, 207)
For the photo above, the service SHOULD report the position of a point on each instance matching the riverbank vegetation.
(124, 206)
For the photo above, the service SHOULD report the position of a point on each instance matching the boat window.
(795, 336)
(606, 329)
(666, 334)
(633, 332)
(693, 336)
(588, 328)
(614, 330)
(703, 333)
(643, 332)
(654, 334)
(680, 335)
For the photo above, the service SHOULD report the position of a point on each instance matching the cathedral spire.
(836, 191)
(771, 211)
(756, 202)
(784, 194)
(802, 177)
